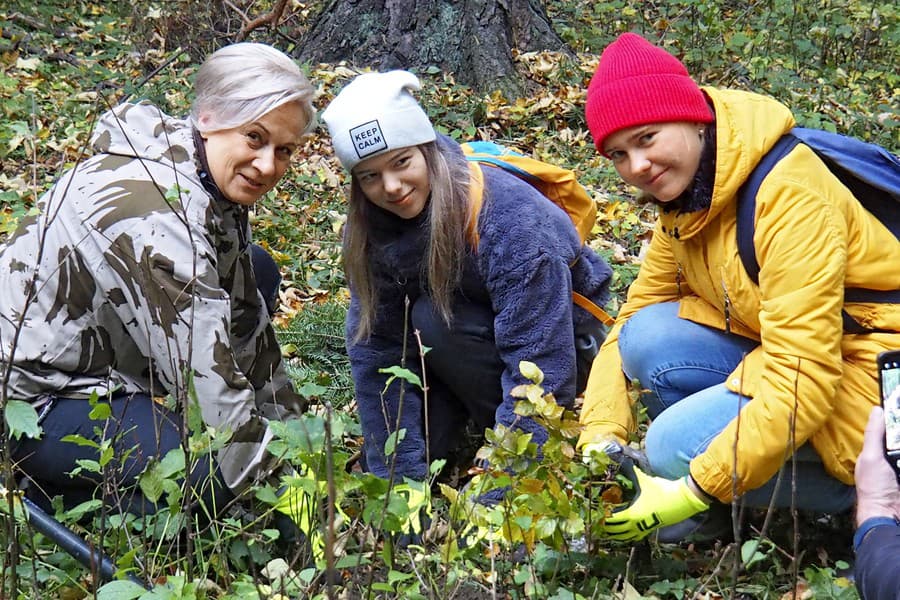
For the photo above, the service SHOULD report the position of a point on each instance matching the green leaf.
(120, 590)
(84, 508)
(91, 466)
(80, 440)
(21, 418)
(100, 412)
(750, 552)
(400, 373)
(173, 462)
(173, 194)
(391, 444)
(151, 482)
(521, 576)
(266, 494)
(531, 371)
(351, 560)
(398, 576)
(437, 466)
(311, 390)
(106, 455)
(522, 441)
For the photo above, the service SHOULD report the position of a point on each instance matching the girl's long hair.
(448, 177)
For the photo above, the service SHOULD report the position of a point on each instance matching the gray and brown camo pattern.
(133, 292)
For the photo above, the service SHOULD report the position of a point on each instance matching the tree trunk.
(472, 39)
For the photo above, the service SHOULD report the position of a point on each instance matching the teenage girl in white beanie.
(480, 312)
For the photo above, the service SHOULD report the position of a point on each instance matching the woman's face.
(660, 159)
(247, 161)
(397, 181)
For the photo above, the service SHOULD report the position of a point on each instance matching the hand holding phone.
(889, 384)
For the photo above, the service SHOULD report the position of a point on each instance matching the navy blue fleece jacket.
(528, 261)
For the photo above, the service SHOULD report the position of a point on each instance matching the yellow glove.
(299, 505)
(657, 502)
(417, 496)
(295, 502)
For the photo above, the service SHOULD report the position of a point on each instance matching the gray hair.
(241, 82)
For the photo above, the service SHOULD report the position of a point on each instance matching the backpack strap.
(476, 197)
(746, 223)
(598, 313)
(746, 203)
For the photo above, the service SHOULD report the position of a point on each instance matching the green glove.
(298, 504)
(657, 502)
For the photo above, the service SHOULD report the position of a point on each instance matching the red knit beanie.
(637, 83)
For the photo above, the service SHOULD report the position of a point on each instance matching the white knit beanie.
(376, 113)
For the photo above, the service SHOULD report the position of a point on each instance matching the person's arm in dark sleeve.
(877, 539)
(877, 555)
(380, 407)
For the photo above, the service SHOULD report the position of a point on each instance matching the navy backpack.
(869, 171)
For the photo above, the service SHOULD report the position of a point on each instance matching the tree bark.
(472, 39)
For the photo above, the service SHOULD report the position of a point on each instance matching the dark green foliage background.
(834, 62)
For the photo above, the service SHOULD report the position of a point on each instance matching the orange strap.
(592, 308)
(476, 195)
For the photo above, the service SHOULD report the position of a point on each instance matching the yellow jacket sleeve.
(608, 409)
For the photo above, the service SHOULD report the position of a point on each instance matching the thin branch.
(271, 19)
(332, 501)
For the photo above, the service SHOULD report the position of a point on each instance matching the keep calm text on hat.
(637, 83)
(376, 113)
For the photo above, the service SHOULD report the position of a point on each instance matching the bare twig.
(175, 56)
(795, 565)
(418, 335)
(271, 19)
(332, 501)
(17, 17)
(396, 433)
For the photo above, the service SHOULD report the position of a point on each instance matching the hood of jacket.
(747, 126)
(143, 131)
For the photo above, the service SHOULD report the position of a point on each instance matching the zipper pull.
(727, 309)
(678, 279)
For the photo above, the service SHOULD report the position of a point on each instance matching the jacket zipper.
(678, 279)
(727, 308)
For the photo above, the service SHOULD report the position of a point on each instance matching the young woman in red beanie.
(738, 379)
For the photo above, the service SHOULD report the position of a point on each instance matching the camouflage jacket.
(132, 278)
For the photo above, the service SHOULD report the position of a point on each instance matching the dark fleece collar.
(699, 195)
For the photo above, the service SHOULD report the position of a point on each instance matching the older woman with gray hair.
(137, 287)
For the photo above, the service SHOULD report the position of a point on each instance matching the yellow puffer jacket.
(813, 239)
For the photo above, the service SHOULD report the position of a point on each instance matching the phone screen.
(889, 373)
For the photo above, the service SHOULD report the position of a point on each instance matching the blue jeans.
(683, 366)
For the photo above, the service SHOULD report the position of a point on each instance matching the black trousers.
(463, 368)
(139, 431)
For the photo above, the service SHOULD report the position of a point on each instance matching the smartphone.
(889, 384)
